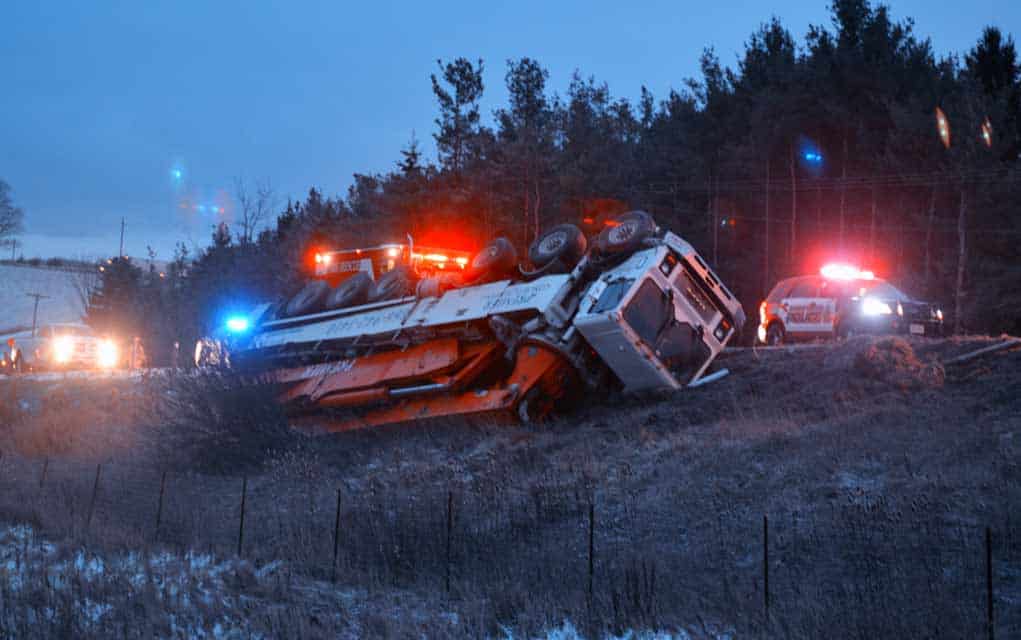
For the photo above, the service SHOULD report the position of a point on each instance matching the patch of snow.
(91, 568)
(27, 562)
(64, 304)
(567, 631)
(94, 611)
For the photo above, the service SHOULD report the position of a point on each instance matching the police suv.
(842, 301)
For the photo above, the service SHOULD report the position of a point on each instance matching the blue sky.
(102, 100)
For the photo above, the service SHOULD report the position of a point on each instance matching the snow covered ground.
(55, 588)
(64, 303)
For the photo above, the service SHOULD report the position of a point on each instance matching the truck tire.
(396, 283)
(309, 300)
(626, 232)
(775, 335)
(497, 259)
(351, 292)
(564, 242)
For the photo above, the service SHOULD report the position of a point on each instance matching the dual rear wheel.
(557, 250)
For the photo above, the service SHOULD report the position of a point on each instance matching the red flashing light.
(837, 271)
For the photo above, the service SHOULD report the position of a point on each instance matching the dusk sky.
(102, 101)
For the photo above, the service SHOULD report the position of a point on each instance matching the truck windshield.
(677, 344)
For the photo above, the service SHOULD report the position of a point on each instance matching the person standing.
(14, 355)
(137, 354)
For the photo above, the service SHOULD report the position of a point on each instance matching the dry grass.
(877, 492)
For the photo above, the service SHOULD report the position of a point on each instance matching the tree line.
(824, 147)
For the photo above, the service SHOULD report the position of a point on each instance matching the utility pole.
(765, 271)
(716, 223)
(120, 252)
(35, 309)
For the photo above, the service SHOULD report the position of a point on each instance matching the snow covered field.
(186, 595)
(64, 303)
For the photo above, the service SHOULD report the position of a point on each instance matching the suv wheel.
(845, 330)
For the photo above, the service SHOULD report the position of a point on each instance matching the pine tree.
(459, 116)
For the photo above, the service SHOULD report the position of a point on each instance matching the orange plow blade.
(440, 378)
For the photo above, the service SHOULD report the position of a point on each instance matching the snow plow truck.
(398, 333)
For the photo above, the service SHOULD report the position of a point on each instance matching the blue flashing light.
(812, 156)
(237, 324)
(177, 174)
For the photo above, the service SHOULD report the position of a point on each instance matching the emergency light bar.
(836, 271)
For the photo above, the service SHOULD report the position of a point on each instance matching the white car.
(66, 346)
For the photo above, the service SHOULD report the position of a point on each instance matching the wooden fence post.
(591, 549)
(159, 508)
(766, 565)
(450, 528)
(92, 502)
(241, 526)
(989, 584)
(336, 539)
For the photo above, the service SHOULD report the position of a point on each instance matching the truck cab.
(660, 318)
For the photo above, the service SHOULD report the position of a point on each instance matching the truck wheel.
(564, 242)
(626, 232)
(846, 330)
(351, 292)
(775, 335)
(396, 283)
(533, 407)
(497, 259)
(309, 300)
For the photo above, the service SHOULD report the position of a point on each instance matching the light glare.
(873, 307)
(237, 324)
(106, 357)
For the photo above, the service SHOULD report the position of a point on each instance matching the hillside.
(878, 469)
(64, 303)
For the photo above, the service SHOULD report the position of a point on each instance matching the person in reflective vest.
(14, 355)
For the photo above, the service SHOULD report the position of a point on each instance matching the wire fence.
(616, 558)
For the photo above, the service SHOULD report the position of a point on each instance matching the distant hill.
(63, 304)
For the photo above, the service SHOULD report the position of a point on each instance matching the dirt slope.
(878, 469)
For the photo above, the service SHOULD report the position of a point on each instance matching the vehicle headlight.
(106, 354)
(873, 307)
(939, 315)
(63, 349)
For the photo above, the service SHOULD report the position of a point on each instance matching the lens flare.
(943, 126)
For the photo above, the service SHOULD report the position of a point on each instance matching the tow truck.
(638, 310)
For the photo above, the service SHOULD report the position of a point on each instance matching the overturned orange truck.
(399, 333)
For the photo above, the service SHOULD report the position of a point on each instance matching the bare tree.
(254, 208)
(11, 217)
